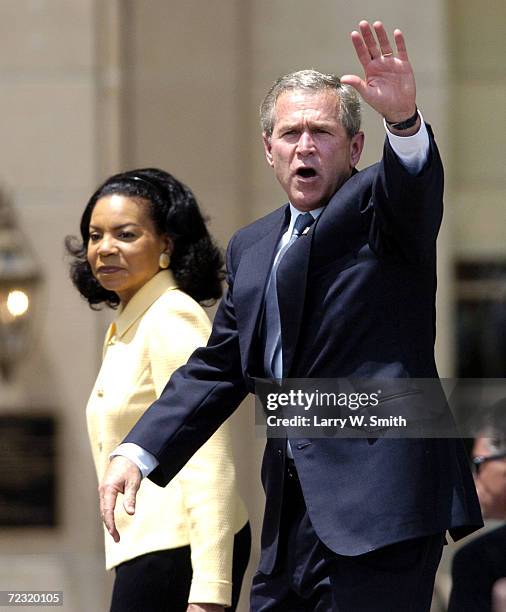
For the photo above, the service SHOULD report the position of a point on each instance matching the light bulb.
(17, 303)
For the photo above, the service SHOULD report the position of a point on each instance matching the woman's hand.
(194, 607)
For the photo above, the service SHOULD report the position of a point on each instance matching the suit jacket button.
(100, 392)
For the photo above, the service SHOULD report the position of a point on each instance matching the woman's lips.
(108, 269)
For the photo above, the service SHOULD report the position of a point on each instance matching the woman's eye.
(94, 236)
(126, 235)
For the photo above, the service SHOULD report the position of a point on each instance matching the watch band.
(404, 125)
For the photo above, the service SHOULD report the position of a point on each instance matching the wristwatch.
(404, 125)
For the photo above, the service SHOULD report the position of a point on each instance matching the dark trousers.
(311, 578)
(160, 581)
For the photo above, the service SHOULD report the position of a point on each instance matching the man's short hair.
(312, 80)
(493, 426)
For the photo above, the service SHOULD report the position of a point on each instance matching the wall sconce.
(19, 277)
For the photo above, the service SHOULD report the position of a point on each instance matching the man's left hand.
(389, 84)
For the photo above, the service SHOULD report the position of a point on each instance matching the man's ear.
(267, 148)
(356, 148)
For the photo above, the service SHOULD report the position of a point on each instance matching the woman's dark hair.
(196, 262)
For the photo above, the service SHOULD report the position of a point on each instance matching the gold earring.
(164, 261)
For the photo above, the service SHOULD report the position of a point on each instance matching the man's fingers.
(388, 85)
(370, 41)
(131, 489)
(401, 45)
(108, 518)
(354, 81)
(108, 498)
(367, 48)
(122, 476)
(364, 57)
(383, 40)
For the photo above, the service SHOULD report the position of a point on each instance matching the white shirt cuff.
(144, 460)
(413, 151)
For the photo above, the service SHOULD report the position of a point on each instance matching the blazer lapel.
(291, 285)
(250, 282)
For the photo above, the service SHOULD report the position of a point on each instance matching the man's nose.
(306, 144)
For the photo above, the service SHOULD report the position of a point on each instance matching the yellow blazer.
(155, 334)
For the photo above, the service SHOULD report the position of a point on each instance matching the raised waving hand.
(388, 84)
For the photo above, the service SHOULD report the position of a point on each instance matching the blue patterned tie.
(272, 323)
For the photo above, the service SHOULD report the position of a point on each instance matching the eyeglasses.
(479, 460)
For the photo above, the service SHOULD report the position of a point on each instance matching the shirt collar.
(294, 213)
(142, 300)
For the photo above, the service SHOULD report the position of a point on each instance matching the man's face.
(309, 149)
(490, 481)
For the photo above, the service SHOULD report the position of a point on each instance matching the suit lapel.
(250, 281)
(253, 271)
(293, 269)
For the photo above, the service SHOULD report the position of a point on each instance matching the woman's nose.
(107, 246)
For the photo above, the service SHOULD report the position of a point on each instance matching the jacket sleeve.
(199, 397)
(208, 481)
(408, 208)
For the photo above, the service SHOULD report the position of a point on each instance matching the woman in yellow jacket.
(145, 250)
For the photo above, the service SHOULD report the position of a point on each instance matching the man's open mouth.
(306, 172)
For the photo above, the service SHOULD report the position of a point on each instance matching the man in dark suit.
(339, 283)
(479, 567)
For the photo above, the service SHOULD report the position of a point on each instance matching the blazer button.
(100, 446)
(280, 452)
(100, 392)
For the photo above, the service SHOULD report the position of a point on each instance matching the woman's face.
(124, 248)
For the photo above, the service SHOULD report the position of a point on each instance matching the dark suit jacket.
(476, 566)
(357, 297)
